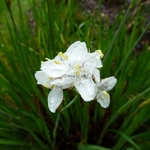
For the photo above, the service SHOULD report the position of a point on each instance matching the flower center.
(77, 67)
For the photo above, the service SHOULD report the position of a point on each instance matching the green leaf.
(12, 142)
(127, 138)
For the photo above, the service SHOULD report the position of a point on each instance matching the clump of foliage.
(49, 27)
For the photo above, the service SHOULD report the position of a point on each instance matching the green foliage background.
(34, 30)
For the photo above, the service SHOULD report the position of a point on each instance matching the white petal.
(99, 62)
(94, 60)
(91, 62)
(96, 75)
(62, 81)
(76, 51)
(96, 90)
(86, 88)
(108, 83)
(53, 69)
(66, 86)
(103, 98)
(55, 98)
(42, 78)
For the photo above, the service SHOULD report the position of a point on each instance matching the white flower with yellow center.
(101, 90)
(76, 67)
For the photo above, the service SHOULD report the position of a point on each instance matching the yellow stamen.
(45, 85)
(52, 86)
(77, 72)
(57, 62)
(106, 94)
(66, 57)
(62, 55)
(42, 62)
(100, 53)
(50, 78)
(77, 69)
(47, 59)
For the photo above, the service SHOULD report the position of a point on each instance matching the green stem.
(55, 129)
(70, 103)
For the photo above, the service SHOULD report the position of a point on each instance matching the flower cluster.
(75, 68)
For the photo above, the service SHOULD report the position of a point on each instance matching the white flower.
(76, 67)
(105, 85)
